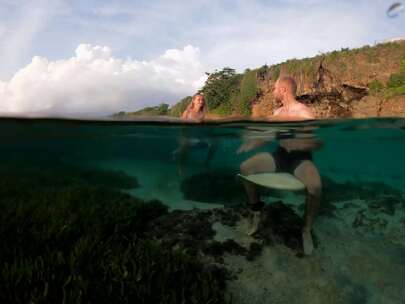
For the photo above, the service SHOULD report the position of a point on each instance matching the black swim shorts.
(289, 161)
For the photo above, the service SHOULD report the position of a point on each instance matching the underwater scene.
(154, 211)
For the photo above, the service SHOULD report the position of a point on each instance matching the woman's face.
(199, 102)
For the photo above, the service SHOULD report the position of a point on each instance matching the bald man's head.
(285, 86)
(289, 83)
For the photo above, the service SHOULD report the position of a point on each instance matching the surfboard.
(279, 181)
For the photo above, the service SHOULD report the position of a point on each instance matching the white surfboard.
(279, 181)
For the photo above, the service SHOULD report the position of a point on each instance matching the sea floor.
(346, 267)
(160, 181)
(359, 257)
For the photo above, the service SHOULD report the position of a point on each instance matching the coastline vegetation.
(395, 85)
(230, 93)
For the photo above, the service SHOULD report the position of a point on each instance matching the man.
(292, 155)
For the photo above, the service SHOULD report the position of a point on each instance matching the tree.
(219, 87)
(180, 107)
(161, 109)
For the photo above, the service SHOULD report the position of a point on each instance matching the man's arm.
(307, 113)
(277, 112)
(187, 111)
(184, 115)
(254, 143)
(250, 144)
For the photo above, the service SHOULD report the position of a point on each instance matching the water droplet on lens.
(395, 10)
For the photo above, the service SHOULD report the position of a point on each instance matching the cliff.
(363, 82)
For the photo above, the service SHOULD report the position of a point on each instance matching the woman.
(196, 110)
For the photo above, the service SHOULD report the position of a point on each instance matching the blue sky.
(237, 33)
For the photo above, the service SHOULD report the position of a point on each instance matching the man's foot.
(307, 242)
(254, 222)
(180, 171)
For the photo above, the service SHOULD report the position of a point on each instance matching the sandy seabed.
(357, 260)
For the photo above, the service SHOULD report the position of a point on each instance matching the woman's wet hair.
(195, 96)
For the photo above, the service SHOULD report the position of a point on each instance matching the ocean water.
(360, 229)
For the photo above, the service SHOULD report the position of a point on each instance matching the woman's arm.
(187, 111)
(185, 114)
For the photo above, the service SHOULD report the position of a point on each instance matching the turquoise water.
(360, 228)
(359, 151)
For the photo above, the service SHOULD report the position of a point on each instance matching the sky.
(69, 57)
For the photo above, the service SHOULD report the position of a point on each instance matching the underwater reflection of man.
(195, 112)
(293, 155)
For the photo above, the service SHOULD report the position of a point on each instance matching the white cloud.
(272, 32)
(94, 82)
(244, 34)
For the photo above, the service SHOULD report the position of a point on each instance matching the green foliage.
(238, 89)
(220, 86)
(309, 66)
(161, 109)
(333, 56)
(292, 65)
(305, 66)
(262, 71)
(85, 242)
(119, 114)
(391, 45)
(275, 74)
(395, 84)
(226, 92)
(248, 91)
(396, 80)
(224, 109)
(402, 66)
(180, 107)
(391, 92)
(375, 87)
(371, 55)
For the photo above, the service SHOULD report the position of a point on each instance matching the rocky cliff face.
(339, 84)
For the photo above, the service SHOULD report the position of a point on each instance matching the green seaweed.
(85, 242)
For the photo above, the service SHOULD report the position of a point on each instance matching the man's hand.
(245, 147)
(250, 145)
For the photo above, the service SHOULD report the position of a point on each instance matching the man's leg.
(260, 163)
(212, 148)
(309, 175)
(182, 152)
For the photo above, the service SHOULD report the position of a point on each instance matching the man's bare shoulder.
(278, 111)
(305, 111)
(298, 112)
